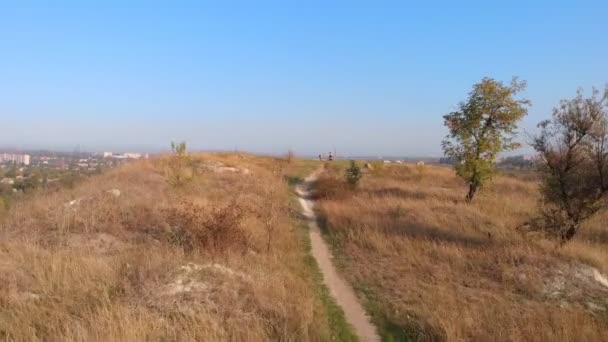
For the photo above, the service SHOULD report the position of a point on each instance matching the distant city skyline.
(371, 78)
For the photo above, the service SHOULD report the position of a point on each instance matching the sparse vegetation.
(482, 127)
(574, 163)
(178, 172)
(421, 169)
(429, 266)
(377, 165)
(273, 205)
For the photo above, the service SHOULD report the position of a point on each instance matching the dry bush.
(421, 169)
(273, 204)
(432, 267)
(290, 157)
(331, 187)
(377, 165)
(193, 226)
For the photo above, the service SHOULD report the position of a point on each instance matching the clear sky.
(362, 77)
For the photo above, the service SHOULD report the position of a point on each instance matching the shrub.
(290, 157)
(421, 169)
(327, 187)
(353, 174)
(196, 227)
(271, 205)
(376, 167)
(573, 147)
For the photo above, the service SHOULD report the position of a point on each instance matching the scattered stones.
(577, 284)
(73, 203)
(600, 278)
(221, 168)
(181, 285)
(189, 268)
(24, 296)
(188, 281)
(113, 192)
(594, 307)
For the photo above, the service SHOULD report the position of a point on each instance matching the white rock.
(600, 278)
(114, 192)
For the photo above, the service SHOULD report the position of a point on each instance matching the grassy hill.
(125, 256)
(431, 267)
(224, 255)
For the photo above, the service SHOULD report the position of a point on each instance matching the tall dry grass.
(160, 263)
(431, 267)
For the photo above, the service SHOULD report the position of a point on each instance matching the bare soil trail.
(340, 290)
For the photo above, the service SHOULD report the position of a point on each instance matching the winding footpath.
(340, 290)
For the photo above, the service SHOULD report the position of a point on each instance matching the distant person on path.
(330, 157)
(320, 157)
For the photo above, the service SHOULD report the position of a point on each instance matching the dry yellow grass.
(431, 267)
(144, 266)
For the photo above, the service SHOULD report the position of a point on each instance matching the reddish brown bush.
(328, 187)
(193, 226)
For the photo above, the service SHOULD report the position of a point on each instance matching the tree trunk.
(569, 233)
(268, 241)
(471, 194)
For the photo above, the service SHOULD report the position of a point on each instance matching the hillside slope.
(431, 267)
(126, 256)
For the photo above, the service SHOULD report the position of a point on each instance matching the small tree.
(179, 149)
(573, 149)
(482, 127)
(290, 157)
(272, 204)
(353, 174)
(178, 163)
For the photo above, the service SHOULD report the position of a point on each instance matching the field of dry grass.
(428, 266)
(155, 262)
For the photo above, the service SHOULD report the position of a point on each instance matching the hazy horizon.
(364, 79)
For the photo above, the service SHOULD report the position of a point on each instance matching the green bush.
(353, 174)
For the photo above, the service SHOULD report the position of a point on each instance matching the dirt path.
(340, 290)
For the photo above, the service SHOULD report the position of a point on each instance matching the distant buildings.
(21, 159)
(124, 155)
(132, 155)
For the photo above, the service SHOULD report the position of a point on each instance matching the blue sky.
(362, 77)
